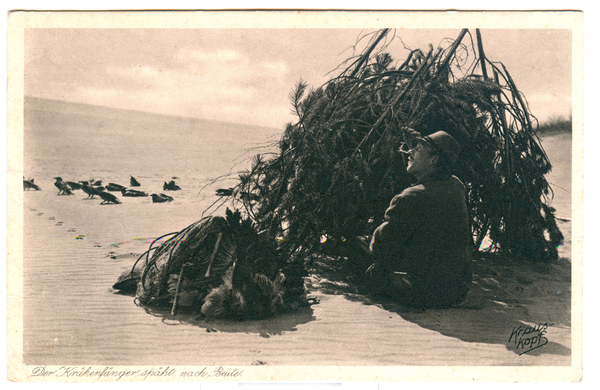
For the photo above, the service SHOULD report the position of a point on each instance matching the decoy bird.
(223, 302)
(171, 186)
(127, 192)
(28, 184)
(88, 189)
(63, 188)
(114, 187)
(74, 185)
(224, 192)
(133, 182)
(107, 197)
(248, 293)
(160, 198)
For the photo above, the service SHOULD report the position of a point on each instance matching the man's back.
(438, 245)
(427, 236)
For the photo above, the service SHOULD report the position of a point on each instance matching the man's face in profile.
(420, 160)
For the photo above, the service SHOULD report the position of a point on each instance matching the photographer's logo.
(527, 338)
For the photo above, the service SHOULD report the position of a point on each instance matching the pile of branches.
(338, 166)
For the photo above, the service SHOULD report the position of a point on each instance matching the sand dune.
(73, 317)
(75, 249)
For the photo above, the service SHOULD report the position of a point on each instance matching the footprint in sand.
(40, 214)
(71, 230)
(32, 209)
(51, 218)
(58, 223)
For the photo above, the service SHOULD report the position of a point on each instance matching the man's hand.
(409, 136)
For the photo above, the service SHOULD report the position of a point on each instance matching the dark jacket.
(426, 235)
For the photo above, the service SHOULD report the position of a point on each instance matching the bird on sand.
(224, 192)
(28, 184)
(107, 197)
(73, 185)
(63, 188)
(126, 192)
(171, 186)
(114, 187)
(88, 189)
(133, 182)
(160, 198)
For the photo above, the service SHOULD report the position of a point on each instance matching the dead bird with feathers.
(219, 267)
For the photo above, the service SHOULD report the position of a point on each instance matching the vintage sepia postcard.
(206, 194)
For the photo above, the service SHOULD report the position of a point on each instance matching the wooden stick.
(481, 54)
(178, 290)
(212, 257)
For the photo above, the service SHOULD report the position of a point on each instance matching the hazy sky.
(246, 75)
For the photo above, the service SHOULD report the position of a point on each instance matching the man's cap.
(444, 145)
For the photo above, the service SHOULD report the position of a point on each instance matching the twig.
(212, 257)
(452, 50)
(366, 55)
(482, 58)
(387, 111)
(178, 289)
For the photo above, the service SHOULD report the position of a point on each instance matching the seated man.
(422, 251)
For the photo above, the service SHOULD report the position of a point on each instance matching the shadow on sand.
(508, 304)
(272, 326)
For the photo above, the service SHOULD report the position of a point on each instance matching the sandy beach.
(75, 249)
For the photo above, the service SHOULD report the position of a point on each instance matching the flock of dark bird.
(95, 188)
